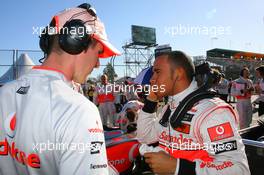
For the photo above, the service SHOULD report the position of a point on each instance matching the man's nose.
(152, 80)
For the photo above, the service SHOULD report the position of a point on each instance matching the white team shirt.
(48, 128)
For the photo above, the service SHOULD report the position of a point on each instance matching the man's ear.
(179, 73)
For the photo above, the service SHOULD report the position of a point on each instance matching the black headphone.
(76, 38)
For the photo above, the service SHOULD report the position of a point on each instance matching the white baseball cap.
(93, 25)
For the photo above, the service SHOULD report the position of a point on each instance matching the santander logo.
(10, 125)
(179, 139)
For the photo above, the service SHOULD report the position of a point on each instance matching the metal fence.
(9, 62)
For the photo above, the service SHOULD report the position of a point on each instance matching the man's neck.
(246, 78)
(181, 87)
(61, 65)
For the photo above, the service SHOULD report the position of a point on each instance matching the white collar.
(245, 79)
(52, 72)
(176, 99)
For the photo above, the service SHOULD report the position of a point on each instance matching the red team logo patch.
(220, 132)
(184, 128)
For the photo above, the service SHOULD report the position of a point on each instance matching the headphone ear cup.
(73, 37)
(44, 40)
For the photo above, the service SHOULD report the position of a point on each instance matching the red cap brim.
(109, 49)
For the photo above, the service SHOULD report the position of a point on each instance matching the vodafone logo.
(96, 130)
(10, 125)
(220, 130)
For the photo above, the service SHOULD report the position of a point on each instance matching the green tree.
(110, 72)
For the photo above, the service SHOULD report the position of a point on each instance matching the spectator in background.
(130, 90)
(133, 106)
(260, 89)
(104, 97)
(230, 97)
(90, 92)
(222, 88)
(242, 89)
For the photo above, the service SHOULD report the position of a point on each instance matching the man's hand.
(152, 96)
(161, 162)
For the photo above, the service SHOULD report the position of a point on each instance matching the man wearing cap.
(206, 140)
(45, 126)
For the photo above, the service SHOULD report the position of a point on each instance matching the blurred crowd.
(244, 93)
(119, 107)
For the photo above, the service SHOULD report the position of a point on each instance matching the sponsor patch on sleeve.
(184, 128)
(220, 132)
(23, 90)
(188, 117)
(225, 147)
(96, 147)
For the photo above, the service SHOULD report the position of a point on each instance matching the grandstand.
(233, 60)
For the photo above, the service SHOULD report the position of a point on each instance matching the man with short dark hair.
(222, 88)
(104, 97)
(46, 127)
(206, 141)
(242, 89)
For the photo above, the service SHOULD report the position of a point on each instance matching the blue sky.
(241, 23)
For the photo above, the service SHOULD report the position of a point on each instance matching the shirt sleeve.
(148, 126)
(219, 134)
(81, 133)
